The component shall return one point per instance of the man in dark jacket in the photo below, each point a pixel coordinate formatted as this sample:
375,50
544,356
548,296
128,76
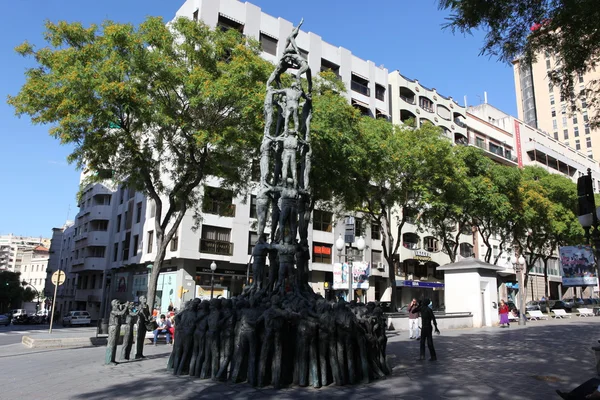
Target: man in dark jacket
427,319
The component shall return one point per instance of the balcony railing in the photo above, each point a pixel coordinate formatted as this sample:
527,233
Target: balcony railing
409,100
411,246
216,247
224,209
360,88
494,148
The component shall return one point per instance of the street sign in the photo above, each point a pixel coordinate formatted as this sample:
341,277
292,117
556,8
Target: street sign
349,230
59,277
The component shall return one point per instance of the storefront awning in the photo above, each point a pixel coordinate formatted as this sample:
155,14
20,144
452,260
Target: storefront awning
420,284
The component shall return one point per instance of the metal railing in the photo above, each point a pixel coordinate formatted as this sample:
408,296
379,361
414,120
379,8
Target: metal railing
360,88
216,247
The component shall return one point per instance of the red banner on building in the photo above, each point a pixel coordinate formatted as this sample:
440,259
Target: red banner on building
518,141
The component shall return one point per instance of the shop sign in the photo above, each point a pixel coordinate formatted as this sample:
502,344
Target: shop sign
422,255
220,271
420,284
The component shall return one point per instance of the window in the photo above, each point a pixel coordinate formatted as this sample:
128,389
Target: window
588,142
93,284
431,244
379,92
583,104
553,112
480,142
327,65
126,244
576,131
410,241
566,134
225,23
138,213
195,15
96,251
556,135
587,129
116,252
577,145
548,66
554,124
122,195
466,250
150,241
174,242
360,85
575,120
358,227
216,240
551,99
136,242
564,122
119,223
375,231
376,258
253,213
580,78
321,253
252,239
218,201
322,221
426,104
268,44
550,87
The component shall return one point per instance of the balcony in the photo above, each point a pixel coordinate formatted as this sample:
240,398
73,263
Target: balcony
407,95
98,238
94,264
360,88
494,151
88,295
221,208
216,247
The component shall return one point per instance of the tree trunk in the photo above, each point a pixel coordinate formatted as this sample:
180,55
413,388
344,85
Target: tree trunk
158,260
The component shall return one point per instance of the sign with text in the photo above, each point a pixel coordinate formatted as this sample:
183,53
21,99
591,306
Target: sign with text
578,265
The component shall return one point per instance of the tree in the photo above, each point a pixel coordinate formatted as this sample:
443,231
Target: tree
11,291
568,30
158,108
386,171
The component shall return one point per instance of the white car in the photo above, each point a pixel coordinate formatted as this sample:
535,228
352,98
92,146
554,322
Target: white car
76,318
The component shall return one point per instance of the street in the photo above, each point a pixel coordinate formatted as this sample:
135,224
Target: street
13,333
512,363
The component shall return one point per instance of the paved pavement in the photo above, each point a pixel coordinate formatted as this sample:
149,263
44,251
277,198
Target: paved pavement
491,363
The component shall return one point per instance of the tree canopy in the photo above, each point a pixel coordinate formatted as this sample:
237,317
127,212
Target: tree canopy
157,107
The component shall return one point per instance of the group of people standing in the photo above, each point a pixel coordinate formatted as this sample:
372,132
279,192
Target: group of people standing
421,326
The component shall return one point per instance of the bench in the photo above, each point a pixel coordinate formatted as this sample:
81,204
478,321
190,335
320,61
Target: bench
585,312
512,317
536,315
560,314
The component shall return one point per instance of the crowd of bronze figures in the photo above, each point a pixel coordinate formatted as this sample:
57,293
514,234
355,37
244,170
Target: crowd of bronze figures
297,338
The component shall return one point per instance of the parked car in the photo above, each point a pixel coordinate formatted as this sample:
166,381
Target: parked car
18,312
76,318
4,320
560,305
532,306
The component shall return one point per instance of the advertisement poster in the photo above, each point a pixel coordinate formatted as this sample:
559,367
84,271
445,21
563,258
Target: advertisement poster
121,281
578,266
360,274
166,288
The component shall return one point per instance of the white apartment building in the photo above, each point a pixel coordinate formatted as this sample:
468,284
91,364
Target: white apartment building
12,248
33,268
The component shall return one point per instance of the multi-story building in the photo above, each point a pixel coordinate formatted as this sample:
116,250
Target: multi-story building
61,257
12,248
33,268
541,106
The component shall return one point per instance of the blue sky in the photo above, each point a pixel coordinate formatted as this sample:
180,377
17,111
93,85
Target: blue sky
39,187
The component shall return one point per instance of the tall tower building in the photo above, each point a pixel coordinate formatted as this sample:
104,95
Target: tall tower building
541,106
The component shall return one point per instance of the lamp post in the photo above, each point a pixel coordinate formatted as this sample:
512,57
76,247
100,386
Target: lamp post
519,264
213,268
340,244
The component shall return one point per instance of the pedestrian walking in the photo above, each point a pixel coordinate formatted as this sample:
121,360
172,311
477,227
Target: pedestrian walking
427,319
503,312
413,320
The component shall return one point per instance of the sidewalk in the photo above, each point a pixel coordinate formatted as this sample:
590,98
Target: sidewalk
490,363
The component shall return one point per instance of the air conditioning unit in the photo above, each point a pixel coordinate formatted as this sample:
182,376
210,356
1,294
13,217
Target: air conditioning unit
380,266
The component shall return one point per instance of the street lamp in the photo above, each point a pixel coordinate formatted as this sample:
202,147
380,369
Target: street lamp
213,268
340,244
519,264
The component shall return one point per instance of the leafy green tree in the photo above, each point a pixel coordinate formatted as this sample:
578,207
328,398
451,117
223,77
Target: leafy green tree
568,30
11,291
386,170
156,107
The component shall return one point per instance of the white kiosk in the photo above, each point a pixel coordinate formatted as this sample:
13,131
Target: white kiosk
470,285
